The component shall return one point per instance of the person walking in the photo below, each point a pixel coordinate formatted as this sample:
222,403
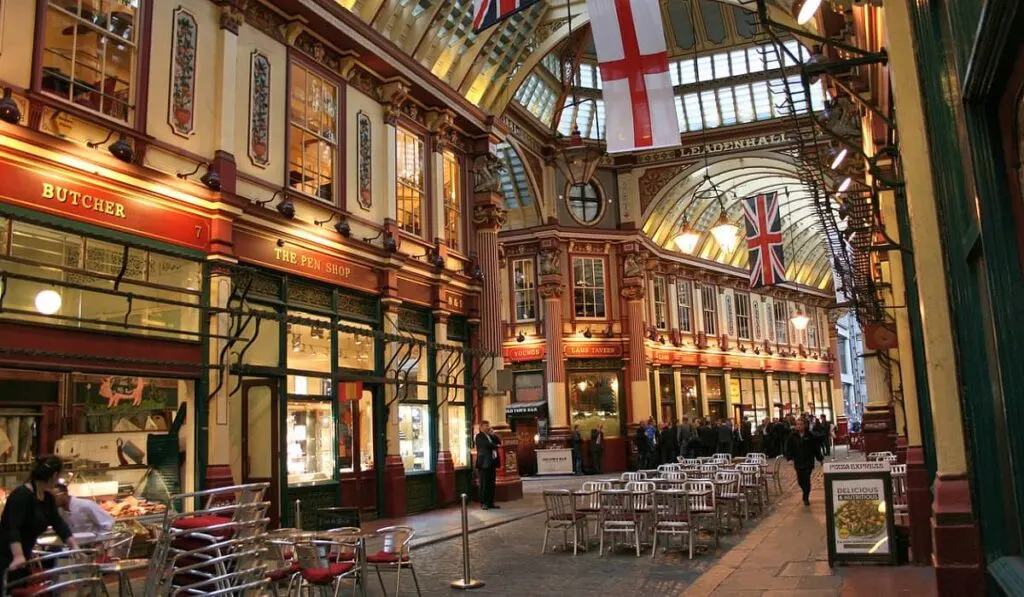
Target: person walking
825,431
487,462
746,437
597,448
577,450
684,433
802,449
31,509
651,433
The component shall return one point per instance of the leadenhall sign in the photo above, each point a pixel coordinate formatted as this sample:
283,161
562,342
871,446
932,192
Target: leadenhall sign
735,145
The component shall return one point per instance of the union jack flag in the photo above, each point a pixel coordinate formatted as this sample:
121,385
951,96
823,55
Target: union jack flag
487,13
764,240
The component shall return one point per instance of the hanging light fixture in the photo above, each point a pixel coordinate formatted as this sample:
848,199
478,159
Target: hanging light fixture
687,239
844,185
803,10
726,233
800,321
48,302
838,154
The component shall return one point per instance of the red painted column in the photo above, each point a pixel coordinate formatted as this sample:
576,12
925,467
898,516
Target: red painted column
919,506
957,541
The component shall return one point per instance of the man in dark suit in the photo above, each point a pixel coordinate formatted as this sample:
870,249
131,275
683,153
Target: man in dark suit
487,462
597,448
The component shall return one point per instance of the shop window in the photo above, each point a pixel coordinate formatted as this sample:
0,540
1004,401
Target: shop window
90,55
684,303
588,290
264,348
409,189
691,400
366,431
812,328
452,189
747,389
595,401
743,316
414,412
709,304
355,350
524,288
347,417
660,299
458,429
668,396
310,441
312,133
716,397
585,203
781,323
51,274
308,346
528,387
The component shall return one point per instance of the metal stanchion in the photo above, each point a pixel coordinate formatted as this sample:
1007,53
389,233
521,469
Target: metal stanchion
466,582
298,514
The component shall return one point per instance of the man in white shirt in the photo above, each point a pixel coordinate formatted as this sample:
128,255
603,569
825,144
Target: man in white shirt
82,515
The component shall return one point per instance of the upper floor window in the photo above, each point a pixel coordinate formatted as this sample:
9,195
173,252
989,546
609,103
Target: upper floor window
684,301
781,323
90,54
812,328
709,303
312,133
409,190
660,297
452,189
585,203
588,289
743,316
524,288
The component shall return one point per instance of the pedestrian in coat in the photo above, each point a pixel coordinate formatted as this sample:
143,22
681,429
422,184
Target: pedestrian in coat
802,449
597,448
487,462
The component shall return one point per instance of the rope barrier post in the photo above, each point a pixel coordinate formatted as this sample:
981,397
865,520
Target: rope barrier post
466,582
298,514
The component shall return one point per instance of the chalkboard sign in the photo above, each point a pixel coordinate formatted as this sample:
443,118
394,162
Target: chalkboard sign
858,513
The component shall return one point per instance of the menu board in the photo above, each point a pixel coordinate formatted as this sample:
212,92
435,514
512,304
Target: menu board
858,510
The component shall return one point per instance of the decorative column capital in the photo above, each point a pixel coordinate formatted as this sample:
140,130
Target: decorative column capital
487,170
551,289
549,262
231,16
633,292
393,95
489,216
441,123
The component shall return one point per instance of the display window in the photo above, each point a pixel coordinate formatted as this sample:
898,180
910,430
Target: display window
716,397
691,399
747,390
414,412
365,419
666,380
594,400
785,394
59,278
310,441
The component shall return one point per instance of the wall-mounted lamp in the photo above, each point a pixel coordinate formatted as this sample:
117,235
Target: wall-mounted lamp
520,337
286,208
588,334
9,111
272,197
120,149
210,180
475,273
341,226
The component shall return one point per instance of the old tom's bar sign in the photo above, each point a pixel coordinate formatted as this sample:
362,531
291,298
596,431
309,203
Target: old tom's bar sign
54,193
735,145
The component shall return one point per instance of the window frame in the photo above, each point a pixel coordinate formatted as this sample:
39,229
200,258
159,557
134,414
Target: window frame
424,191
781,325
743,316
457,206
599,198
530,289
684,288
139,96
709,315
812,327
302,61
659,285
593,289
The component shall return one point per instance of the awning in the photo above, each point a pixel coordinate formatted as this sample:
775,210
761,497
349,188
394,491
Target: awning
538,408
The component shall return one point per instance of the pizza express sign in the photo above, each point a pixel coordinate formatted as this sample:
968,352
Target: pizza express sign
735,145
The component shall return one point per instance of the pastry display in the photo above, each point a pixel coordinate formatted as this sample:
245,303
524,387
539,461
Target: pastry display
132,507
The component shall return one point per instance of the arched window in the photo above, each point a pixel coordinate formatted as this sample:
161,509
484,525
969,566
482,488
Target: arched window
585,203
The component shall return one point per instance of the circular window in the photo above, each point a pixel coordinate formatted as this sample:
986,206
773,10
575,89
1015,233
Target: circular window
585,203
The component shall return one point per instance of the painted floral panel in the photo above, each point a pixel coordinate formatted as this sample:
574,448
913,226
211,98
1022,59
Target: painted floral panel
364,168
183,72
259,109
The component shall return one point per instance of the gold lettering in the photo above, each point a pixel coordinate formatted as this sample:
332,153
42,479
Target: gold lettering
98,205
74,197
109,209
62,194
47,190
87,201
119,212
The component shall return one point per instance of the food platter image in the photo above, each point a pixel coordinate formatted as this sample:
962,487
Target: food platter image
860,519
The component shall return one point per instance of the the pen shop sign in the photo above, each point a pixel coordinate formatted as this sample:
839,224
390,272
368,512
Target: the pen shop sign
735,145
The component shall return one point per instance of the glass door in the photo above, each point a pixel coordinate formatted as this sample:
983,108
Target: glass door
260,440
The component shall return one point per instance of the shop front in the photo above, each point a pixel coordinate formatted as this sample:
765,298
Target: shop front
527,411
786,395
596,402
748,393
102,297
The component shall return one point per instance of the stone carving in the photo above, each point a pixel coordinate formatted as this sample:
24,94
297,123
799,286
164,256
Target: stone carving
653,180
551,290
185,37
633,293
633,266
364,169
489,216
259,109
487,171
441,123
393,95
550,264
231,16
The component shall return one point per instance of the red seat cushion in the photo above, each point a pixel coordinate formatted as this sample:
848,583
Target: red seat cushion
324,576
567,516
199,522
27,590
283,573
383,557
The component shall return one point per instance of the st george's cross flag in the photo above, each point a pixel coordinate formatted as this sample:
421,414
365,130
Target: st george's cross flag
639,101
764,240
487,13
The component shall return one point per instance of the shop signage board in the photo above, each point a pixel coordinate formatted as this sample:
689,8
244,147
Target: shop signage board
555,461
581,349
304,262
63,196
858,513
525,353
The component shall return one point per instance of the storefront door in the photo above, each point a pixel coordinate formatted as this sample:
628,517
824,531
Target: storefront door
259,439
526,430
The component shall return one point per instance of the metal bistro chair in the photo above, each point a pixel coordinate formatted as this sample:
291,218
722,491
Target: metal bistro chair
393,554
643,503
706,472
634,476
113,560
652,473
209,566
590,503
900,510
664,468
246,578
54,573
672,517
282,567
773,473
689,461
619,517
750,484
757,456
702,504
721,457
729,500
560,508
318,571
882,457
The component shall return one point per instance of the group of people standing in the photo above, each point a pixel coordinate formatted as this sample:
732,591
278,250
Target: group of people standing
702,437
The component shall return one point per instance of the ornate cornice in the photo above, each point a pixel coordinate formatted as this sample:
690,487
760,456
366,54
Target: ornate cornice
551,290
393,95
488,216
440,123
633,292
231,15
